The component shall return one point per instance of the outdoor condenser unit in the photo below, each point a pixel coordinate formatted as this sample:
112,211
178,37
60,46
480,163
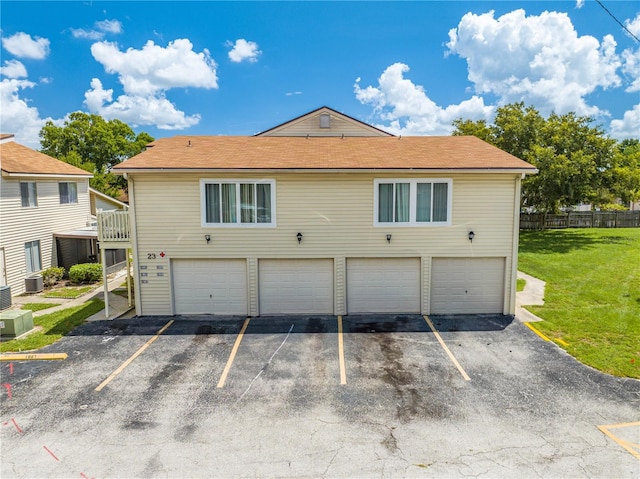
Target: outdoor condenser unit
5,297
33,284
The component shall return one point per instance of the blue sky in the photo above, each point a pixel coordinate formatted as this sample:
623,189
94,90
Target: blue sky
237,68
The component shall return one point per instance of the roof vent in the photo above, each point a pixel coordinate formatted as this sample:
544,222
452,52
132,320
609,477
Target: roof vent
325,120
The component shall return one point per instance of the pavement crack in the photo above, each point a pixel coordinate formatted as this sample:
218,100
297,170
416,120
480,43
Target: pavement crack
326,469
264,368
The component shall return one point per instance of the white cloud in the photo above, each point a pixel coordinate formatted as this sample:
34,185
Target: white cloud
540,60
17,116
146,75
631,68
109,26
23,46
407,108
633,25
13,69
243,50
293,93
153,68
137,110
629,126
86,34
101,29
579,3
631,58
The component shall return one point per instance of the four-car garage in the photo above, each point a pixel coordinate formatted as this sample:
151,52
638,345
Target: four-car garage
326,286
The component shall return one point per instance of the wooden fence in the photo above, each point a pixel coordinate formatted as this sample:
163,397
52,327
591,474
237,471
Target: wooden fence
580,219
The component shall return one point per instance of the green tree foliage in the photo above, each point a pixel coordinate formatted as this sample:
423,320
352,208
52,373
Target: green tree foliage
577,162
95,145
623,178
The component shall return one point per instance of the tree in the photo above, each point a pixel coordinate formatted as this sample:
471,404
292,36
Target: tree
95,145
622,179
577,162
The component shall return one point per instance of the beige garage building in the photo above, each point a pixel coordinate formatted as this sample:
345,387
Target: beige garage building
324,215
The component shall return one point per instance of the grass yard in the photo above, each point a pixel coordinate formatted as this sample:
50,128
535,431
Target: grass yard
520,284
38,306
53,326
70,292
592,296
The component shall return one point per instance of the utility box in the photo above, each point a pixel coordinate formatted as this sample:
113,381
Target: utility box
15,322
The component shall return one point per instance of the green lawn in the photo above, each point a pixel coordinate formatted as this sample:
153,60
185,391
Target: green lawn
592,296
38,306
54,326
70,292
520,284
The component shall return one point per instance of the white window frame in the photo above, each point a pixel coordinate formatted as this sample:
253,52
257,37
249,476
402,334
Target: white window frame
32,194
413,189
29,256
69,188
238,223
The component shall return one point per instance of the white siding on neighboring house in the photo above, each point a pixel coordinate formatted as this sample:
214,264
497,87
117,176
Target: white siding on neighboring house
25,224
334,213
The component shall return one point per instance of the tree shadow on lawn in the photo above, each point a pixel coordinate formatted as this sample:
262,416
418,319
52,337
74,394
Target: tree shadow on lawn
565,241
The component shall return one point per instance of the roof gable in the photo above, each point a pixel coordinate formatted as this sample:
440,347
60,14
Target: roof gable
17,160
324,122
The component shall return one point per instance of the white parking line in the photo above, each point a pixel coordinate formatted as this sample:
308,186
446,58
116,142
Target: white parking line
446,349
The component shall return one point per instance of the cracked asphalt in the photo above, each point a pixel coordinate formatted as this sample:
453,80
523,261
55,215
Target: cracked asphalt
528,410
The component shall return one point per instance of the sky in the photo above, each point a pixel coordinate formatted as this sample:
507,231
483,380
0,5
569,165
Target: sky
237,68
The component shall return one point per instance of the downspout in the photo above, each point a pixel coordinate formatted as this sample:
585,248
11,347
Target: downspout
515,243
134,244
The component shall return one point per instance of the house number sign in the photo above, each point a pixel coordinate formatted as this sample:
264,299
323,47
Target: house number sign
154,256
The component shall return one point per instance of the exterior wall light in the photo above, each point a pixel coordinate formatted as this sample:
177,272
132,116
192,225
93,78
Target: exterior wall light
299,236
208,238
388,238
471,235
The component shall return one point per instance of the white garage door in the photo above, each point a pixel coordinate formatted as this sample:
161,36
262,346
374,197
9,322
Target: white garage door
210,286
383,285
467,285
295,286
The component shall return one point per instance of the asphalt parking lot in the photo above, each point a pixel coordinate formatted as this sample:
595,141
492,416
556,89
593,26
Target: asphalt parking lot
363,396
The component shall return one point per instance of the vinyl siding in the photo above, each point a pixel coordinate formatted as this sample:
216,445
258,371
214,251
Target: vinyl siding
334,212
311,126
20,225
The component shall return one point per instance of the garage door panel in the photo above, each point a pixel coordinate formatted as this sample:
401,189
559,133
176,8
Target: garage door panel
295,286
383,285
210,286
467,285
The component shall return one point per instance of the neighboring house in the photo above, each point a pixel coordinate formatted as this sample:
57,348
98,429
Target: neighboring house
323,215
101,202
41,198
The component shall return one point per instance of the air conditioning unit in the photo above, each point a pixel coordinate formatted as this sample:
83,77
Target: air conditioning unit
5,297
33,284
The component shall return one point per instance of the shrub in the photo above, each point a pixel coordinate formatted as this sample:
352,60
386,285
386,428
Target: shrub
85,273
52,275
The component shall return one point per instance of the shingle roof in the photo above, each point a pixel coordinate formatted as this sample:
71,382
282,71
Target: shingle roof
18,159
240,152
